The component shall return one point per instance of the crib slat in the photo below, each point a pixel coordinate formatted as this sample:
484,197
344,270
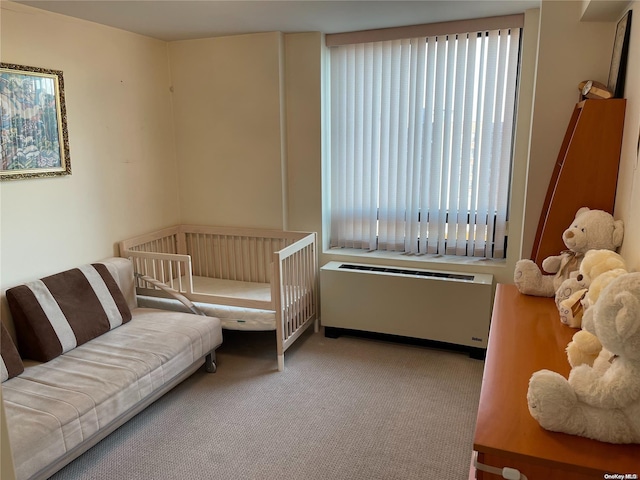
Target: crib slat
212,256
294,305
198,253
235,257
289,307
253,271
206,240
246,262
217,270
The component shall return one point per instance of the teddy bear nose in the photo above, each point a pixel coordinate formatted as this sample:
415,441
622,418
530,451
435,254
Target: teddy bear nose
569,234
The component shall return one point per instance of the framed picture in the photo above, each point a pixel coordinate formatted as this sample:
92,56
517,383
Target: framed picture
33,123
618,69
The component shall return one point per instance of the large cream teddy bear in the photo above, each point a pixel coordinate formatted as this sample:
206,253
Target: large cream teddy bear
599,402
590,230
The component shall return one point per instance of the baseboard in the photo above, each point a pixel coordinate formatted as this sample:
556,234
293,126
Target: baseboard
474,352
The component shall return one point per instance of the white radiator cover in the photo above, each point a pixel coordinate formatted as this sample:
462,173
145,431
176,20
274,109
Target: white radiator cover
443,306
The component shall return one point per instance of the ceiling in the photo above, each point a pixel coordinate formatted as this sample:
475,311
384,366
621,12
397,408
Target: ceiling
188,19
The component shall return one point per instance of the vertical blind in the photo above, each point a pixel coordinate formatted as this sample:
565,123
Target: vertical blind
421,143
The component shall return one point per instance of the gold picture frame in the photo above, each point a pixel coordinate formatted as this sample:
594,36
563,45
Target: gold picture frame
33,121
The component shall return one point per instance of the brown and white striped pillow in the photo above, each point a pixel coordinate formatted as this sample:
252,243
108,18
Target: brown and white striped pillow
11,365
57,313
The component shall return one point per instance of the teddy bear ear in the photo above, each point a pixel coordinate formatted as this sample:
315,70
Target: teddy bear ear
628,317
581,211
618,232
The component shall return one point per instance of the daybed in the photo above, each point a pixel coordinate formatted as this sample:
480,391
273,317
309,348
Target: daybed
252,279
99,360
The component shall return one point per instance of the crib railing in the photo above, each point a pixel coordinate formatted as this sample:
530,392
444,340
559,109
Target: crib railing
285,260
161,241
173,270
295,271
233,253
156,255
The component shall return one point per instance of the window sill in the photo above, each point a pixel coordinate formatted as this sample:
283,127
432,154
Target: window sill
418,261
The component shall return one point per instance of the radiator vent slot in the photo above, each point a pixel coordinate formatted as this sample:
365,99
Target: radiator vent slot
404,271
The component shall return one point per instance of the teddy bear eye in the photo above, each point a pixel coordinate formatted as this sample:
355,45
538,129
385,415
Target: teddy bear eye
582,229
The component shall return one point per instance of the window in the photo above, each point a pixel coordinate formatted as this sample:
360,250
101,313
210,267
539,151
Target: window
421,142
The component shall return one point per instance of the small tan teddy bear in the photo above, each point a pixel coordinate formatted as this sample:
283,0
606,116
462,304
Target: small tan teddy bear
598,269
582,289
590,230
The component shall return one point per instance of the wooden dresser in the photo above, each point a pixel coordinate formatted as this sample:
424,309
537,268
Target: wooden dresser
526,336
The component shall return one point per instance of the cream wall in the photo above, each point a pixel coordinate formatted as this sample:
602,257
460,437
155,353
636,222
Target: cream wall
228,122
628,196
303,77
121,144
248,130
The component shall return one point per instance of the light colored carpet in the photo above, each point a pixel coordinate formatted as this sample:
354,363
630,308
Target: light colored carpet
347,408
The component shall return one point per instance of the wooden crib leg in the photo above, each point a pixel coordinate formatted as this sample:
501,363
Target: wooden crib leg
210,362
281,362
316,325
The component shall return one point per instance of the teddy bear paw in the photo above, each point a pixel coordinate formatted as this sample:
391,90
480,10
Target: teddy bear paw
551,399
526,273
565,314
530,280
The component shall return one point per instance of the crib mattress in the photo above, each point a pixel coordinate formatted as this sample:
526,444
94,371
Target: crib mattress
231,288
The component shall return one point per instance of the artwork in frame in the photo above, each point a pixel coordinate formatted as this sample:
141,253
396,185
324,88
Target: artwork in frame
618,69
33,123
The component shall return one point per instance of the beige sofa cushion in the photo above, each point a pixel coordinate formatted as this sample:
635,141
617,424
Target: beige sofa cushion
55,314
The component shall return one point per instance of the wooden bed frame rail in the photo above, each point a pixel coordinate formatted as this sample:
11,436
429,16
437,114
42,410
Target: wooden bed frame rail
285,260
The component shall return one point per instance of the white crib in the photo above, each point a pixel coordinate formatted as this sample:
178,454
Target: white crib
252,279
